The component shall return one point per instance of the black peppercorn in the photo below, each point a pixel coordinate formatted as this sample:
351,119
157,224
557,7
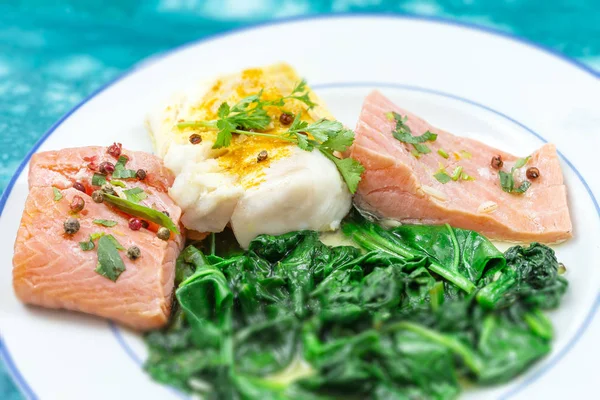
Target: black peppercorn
163,233
71,226
97,196
133,253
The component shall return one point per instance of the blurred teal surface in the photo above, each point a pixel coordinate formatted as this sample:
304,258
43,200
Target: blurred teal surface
55,53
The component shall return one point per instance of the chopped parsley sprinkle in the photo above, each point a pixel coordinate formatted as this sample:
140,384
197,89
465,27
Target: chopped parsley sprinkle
442,177
57,194
457,173
403,134
442,153
98,180
135,194
105,222
118,183
507,180
121,172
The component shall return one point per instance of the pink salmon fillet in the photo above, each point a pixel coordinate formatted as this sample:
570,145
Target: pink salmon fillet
400,186
51,270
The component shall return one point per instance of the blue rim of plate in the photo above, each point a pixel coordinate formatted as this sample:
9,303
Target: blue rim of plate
4,352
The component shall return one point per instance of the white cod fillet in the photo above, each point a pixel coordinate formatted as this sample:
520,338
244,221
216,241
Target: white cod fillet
291,190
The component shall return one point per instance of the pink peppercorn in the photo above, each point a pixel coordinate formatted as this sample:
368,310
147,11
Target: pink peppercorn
115,150
135,224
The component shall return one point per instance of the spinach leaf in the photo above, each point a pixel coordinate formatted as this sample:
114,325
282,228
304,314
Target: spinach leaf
531,277
458,255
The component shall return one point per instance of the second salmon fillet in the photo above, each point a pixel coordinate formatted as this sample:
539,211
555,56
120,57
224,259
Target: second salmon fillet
52,269
400,183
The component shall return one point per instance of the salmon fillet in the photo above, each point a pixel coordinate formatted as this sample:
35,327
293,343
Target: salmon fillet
401,186
50,268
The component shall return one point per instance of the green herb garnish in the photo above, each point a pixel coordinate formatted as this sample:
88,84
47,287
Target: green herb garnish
457,173
507,180
105,222
110,264
138,210
443,153
466,177
118,183
135,195
87,246
442,177
415,153
98,179
249,115
57,194
121,172
404,134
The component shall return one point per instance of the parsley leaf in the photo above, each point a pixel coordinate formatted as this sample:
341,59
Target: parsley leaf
87,246
57,194
249,116
404,134
135,194
105,222
442,177
507,180
120,172
300,92
110,264
521,162
98,180
350,169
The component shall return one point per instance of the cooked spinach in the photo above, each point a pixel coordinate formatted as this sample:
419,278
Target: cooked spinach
413,312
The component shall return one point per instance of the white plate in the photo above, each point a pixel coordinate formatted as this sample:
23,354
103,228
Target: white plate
468,81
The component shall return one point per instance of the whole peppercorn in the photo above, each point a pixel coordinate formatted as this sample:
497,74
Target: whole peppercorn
115,150
532,173
195,139
262,156
135,224
140,174
106,168
108,189
133,253
79,186
286,118
145,224
77,204
497,162
97,196
163,233
71,226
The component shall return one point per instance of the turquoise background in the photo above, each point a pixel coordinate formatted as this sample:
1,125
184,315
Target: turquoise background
55,53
